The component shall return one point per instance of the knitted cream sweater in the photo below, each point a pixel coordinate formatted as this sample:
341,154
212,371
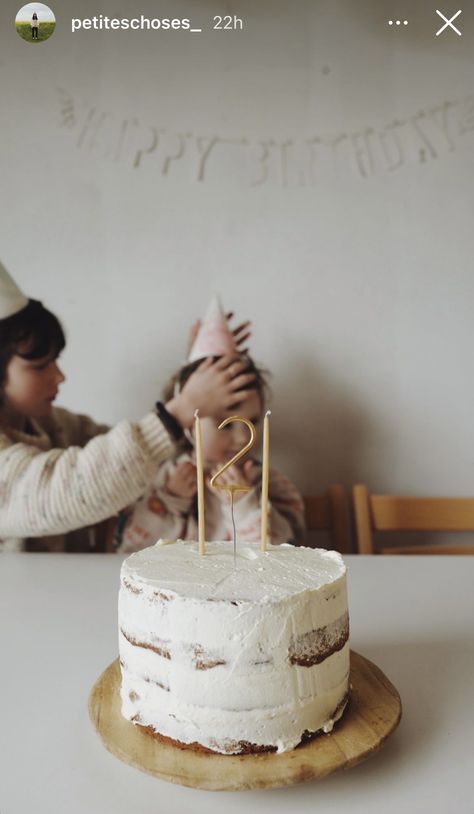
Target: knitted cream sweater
69,473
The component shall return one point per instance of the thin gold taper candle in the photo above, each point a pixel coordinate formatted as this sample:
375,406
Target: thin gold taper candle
200,484
265,468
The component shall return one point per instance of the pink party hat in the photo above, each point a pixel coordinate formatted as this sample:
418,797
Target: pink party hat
214,337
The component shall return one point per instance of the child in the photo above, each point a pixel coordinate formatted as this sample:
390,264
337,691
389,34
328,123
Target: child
59,471
169,508
34,26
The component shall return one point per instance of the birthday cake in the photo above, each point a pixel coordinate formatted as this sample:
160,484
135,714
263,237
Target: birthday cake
234,656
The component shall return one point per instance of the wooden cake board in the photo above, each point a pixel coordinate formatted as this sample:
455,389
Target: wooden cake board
373,713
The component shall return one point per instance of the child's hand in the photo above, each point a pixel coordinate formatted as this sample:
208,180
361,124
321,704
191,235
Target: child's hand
213,389
183,481
246,475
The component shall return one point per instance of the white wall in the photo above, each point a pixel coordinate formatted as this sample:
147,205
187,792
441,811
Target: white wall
335,210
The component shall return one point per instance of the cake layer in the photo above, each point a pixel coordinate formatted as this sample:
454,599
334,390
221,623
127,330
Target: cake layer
223,654
309,581
217,728
265,686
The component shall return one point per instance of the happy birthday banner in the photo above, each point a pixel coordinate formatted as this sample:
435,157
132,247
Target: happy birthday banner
418,138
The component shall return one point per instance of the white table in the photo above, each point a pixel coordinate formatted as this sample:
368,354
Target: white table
413,616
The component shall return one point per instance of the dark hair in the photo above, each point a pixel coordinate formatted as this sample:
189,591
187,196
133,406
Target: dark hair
32,333
35,16
260,384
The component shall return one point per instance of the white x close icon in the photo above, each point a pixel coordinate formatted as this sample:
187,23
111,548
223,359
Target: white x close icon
448,22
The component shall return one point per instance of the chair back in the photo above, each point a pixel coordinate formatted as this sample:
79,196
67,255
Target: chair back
103,536
330,512
388,513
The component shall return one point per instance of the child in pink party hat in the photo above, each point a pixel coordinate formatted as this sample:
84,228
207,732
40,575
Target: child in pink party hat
168,510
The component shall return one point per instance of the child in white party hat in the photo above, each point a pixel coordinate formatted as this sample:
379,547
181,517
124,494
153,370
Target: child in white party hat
61,472
168,509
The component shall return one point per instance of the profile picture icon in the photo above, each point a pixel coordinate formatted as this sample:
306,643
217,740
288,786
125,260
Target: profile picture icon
35,22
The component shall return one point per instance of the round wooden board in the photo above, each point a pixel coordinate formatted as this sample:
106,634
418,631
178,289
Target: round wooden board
373,713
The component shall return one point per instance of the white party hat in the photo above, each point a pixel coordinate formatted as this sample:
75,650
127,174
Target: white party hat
214,337
12,299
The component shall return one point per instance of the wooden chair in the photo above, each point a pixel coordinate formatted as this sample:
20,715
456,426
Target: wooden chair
383,513
330,512
102,536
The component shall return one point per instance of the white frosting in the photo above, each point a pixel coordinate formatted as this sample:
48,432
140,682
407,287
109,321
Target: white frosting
279,572
214,652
